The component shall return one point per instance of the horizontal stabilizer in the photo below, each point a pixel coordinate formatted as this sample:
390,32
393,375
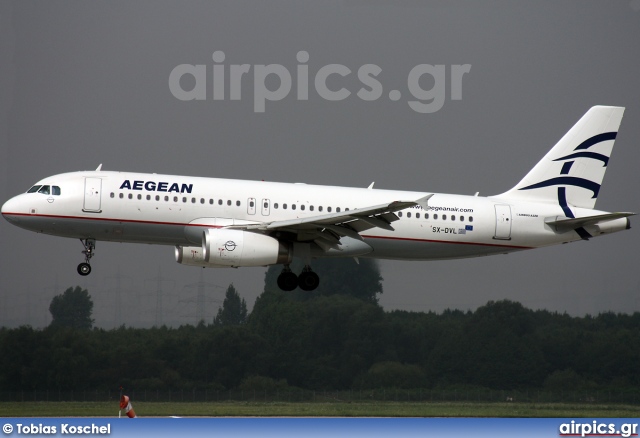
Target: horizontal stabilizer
562,224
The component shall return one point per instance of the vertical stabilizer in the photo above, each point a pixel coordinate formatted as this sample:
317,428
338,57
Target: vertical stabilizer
572,171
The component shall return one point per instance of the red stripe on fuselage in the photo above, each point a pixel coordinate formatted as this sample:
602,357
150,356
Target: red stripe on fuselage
110,220
408,239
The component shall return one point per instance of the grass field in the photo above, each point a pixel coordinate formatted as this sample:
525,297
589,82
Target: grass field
283,409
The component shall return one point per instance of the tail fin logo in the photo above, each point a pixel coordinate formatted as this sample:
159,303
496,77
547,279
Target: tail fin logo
572,172
575,181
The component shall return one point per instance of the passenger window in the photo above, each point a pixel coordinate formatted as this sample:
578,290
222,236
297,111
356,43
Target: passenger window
311,208
302,207
166,199
461,218
238,203
44,190
338,210
329,209
251,204
175,199
266,205
34,189
201,200
193,200
55,190
453,217
399,214
320,208
435,216
130,196
275,205
219,201
210,201
139,196
470,218
426,215
417,215
121,195
444,217
284,206
157,197
409,214
293,206
148,197
112,194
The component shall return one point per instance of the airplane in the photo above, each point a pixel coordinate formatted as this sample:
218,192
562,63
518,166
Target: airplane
215,222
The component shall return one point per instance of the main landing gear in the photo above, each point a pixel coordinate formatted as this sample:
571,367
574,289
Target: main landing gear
89,246
307,280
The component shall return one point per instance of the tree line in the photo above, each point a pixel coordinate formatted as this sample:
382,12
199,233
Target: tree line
332,339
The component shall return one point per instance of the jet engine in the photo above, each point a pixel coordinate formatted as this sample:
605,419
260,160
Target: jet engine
235,248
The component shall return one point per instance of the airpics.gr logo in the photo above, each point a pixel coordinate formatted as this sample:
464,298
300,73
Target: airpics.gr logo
190,82
596,428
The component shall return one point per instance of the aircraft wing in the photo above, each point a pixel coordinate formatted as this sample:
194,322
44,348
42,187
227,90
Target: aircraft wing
327,229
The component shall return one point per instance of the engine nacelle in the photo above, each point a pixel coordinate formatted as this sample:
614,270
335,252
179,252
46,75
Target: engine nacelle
190,255
235,248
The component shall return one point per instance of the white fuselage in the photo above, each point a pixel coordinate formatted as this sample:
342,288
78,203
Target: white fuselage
233,223
174,210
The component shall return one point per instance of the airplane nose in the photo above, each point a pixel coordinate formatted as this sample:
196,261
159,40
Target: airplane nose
5,207
9,207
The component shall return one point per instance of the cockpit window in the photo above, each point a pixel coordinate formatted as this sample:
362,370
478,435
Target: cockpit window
45,190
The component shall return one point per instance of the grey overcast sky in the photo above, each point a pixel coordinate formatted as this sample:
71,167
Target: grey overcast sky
84,83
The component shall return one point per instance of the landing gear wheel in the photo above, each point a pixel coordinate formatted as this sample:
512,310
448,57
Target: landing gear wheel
287,281
84,269
308,280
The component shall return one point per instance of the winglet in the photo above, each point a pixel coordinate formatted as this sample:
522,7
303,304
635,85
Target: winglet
422,202
99,168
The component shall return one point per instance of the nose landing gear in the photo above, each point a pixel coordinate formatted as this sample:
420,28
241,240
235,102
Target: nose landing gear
84,269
